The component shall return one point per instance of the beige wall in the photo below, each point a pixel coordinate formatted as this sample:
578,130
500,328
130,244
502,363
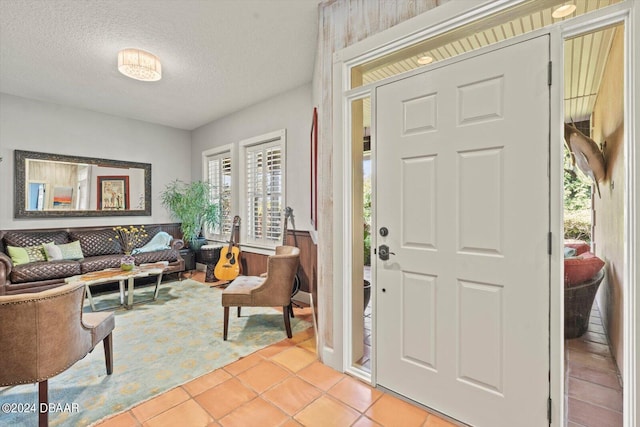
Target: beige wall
608,125
341,24
27,124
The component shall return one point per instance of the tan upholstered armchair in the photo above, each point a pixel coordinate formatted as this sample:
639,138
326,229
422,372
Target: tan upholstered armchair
42,334
274,290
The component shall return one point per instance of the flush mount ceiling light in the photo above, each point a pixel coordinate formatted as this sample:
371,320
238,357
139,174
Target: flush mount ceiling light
139,65
563,11
424,60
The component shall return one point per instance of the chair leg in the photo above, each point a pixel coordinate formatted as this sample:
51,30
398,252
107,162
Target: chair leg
43,403
287,322
238,311
226,322
108,353
291,311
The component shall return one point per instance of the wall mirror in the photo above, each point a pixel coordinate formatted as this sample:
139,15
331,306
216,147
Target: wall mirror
54,185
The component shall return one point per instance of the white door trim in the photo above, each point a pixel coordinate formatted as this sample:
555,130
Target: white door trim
624,13
445,18
632,70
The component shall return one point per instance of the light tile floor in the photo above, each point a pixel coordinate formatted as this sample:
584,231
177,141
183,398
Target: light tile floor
281,385
592,384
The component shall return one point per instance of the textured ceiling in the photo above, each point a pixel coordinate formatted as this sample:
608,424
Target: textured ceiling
218,56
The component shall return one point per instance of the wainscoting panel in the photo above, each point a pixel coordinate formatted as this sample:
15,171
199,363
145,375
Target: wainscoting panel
255,264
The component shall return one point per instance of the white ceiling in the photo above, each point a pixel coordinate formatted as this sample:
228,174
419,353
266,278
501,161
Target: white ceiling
218,56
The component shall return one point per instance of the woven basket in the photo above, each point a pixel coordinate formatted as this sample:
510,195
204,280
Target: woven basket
578,301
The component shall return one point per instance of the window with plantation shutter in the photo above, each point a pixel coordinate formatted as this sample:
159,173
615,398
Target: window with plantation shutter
264,189
219,176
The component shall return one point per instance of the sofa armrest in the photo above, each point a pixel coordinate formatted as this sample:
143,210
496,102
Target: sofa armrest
177,244
5,271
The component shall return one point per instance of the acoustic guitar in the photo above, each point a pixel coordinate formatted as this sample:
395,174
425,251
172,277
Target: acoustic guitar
228,266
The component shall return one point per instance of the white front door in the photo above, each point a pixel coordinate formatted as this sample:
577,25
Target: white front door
463,190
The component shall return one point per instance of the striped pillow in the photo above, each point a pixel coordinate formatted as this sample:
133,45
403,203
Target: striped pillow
67,251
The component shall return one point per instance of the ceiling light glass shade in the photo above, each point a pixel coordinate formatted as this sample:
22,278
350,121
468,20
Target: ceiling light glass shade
563,11
424,60
139,65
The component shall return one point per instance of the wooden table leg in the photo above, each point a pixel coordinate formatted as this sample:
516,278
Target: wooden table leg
155,294
130,293
121,286
93,306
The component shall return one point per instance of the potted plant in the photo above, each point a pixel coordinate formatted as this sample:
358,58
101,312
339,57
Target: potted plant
190,204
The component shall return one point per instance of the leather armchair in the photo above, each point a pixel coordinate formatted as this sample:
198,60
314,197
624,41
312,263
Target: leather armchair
43,334
271,291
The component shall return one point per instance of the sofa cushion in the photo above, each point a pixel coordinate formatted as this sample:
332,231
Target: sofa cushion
97,263
26,255
96,242
34,238
170,255
44,270
71,251
581,268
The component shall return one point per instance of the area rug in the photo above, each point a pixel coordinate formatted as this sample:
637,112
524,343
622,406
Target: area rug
156,346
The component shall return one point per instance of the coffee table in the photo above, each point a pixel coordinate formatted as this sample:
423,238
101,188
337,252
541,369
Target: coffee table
116,274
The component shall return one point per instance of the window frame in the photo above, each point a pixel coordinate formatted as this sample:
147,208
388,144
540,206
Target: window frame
267,140
219,153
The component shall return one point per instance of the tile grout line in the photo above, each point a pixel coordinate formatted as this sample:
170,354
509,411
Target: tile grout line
273,351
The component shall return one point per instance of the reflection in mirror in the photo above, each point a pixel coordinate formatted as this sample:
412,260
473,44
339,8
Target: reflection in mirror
52,185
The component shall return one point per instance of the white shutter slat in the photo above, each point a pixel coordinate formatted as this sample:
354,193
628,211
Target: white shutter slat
219,176
264,182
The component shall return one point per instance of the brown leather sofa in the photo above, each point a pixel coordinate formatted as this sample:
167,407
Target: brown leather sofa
99,253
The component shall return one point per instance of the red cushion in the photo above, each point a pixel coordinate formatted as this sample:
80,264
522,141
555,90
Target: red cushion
579,245
581,268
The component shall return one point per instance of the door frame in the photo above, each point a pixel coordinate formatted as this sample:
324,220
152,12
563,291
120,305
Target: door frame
437,21
631,337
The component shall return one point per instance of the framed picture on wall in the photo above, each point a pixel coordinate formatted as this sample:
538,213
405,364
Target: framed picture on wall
62,197
314,169
113,193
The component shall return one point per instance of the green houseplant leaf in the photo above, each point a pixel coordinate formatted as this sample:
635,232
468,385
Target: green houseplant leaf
191,205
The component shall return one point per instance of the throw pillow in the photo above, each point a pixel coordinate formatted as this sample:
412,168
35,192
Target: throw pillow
580,269
579,245
159,242
26,254
68,251
569,252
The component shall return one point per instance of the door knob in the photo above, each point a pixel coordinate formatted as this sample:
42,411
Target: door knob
383,252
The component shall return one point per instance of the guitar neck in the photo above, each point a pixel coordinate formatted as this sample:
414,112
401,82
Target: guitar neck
235,226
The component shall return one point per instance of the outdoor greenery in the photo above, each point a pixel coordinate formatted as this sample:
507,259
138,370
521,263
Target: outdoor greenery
190,204
577,208
577,203
367,221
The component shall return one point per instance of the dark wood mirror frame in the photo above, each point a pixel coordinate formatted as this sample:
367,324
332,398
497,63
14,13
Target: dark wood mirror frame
20,180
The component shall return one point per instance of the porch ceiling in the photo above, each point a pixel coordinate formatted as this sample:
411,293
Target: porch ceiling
585,56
